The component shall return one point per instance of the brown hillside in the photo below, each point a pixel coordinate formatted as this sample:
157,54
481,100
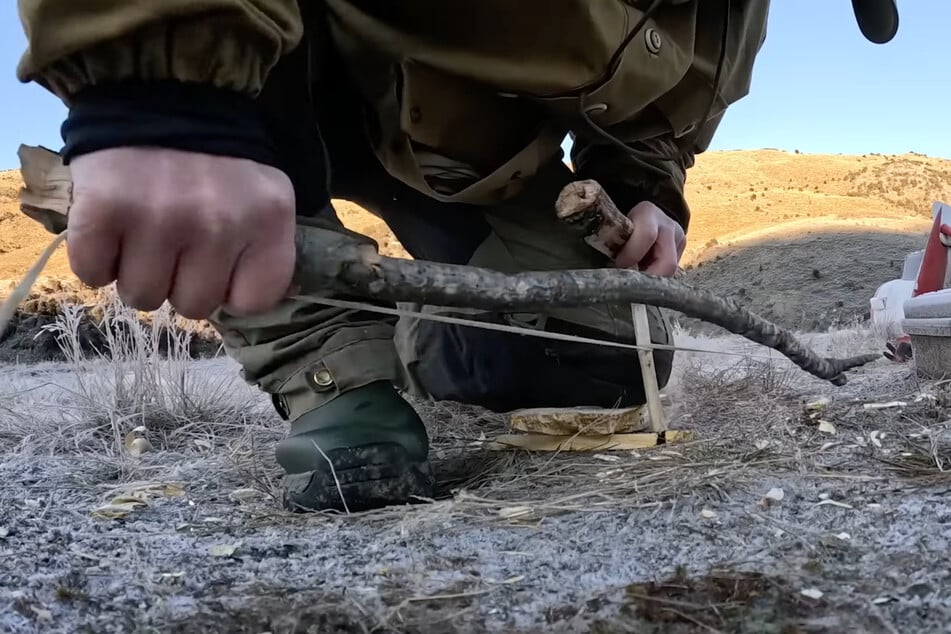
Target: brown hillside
764,221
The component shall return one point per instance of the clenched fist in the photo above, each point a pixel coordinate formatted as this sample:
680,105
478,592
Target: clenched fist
198,230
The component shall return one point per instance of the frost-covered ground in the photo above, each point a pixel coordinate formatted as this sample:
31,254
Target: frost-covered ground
777,518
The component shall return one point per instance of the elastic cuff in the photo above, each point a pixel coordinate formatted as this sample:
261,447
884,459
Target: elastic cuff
358,364
183,116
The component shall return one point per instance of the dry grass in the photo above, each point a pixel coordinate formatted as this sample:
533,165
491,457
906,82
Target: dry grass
142,378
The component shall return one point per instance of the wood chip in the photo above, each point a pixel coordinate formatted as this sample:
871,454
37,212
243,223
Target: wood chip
708,514
116,510
842,505
818,404
826,427
223,550
812,593
515,512
887,405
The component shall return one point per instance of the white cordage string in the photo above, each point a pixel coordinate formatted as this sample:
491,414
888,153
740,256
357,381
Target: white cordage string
528,332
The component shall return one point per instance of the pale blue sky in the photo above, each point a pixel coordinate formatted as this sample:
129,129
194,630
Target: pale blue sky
818,86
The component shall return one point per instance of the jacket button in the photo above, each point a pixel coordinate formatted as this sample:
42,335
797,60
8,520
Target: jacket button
323,378
652,40
414,114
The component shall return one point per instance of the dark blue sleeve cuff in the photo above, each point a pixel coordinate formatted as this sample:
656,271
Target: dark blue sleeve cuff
169,114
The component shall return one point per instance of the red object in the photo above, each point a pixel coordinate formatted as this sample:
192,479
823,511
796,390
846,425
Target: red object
934,261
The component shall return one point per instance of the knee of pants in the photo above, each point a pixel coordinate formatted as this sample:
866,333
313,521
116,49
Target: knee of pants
504,371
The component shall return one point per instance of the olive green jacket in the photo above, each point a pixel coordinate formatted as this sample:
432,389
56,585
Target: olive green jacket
490,85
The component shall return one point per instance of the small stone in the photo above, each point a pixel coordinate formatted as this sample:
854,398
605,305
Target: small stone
775,494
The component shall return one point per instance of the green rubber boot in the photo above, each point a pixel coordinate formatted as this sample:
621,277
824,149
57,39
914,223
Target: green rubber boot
378,447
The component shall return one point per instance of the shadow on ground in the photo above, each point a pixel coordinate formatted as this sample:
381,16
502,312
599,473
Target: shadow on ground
811,282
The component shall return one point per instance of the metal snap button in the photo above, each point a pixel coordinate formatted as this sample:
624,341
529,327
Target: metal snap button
652,40
323,378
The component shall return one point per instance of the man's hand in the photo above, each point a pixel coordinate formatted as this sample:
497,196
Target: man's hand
198,230
657,243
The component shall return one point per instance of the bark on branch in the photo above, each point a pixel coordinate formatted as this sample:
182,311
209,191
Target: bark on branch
354,269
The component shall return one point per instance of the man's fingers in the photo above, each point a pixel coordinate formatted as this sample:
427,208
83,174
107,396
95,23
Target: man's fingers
146,269
93,253
663,256
201,280
262,277
637,248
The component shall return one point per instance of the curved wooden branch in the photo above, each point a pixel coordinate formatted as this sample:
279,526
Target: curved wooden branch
353,269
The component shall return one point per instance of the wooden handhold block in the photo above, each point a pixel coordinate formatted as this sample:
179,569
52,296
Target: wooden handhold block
586,421
608,442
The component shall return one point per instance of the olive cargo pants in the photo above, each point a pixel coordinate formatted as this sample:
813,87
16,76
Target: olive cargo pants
304,353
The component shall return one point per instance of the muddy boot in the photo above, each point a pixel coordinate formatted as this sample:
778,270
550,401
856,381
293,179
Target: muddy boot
378,447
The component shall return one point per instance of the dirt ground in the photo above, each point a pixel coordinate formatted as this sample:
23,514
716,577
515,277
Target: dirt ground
781,516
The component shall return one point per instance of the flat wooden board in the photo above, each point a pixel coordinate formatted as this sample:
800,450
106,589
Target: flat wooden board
588,421
608,442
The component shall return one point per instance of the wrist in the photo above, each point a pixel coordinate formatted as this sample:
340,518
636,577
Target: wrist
175,115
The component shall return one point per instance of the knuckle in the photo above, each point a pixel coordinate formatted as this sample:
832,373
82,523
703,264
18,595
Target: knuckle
276,196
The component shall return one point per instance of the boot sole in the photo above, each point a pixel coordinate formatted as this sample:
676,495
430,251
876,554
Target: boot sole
369,477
